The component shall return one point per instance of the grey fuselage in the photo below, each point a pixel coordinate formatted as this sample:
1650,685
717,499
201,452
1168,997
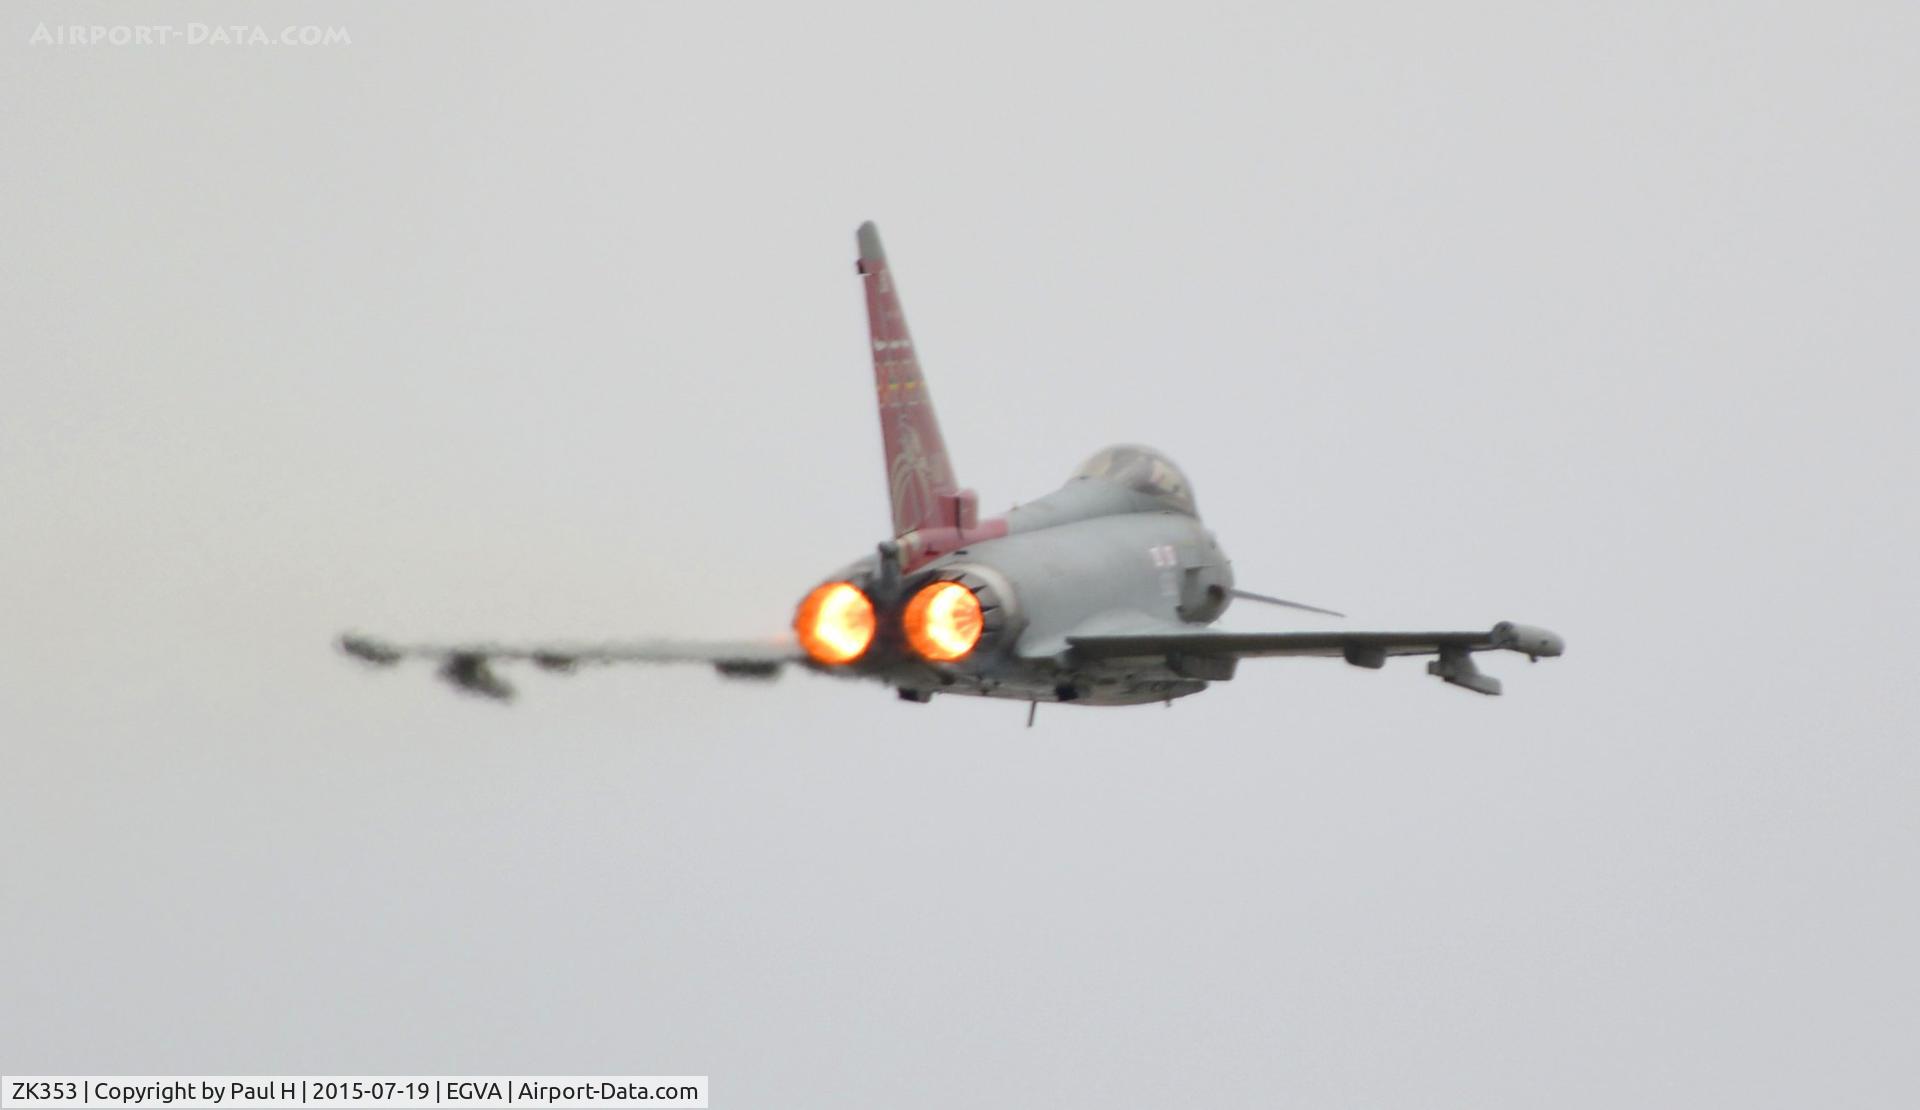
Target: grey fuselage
1096,555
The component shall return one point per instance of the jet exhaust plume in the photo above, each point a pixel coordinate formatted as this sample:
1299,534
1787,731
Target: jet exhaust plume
835,623
943,622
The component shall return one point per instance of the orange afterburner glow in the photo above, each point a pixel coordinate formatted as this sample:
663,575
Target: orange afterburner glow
835,623
943,622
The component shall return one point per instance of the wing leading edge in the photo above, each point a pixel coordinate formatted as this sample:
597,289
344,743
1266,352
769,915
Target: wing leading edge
1362,649
469,667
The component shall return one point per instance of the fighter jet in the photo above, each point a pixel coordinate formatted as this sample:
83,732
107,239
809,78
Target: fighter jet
1102,592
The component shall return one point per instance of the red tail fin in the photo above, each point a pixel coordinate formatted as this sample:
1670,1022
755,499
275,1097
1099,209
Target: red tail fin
919,477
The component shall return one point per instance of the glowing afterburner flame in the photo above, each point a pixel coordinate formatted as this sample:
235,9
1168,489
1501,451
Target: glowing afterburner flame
835,623
943,622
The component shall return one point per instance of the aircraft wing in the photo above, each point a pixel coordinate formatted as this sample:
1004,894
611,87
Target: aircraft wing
470,666
1362,649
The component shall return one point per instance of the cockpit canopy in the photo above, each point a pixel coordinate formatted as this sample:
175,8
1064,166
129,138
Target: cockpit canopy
1142,470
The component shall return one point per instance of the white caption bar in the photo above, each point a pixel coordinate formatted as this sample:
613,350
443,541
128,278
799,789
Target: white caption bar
348,1092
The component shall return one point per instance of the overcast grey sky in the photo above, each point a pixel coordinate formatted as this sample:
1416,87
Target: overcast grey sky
542,322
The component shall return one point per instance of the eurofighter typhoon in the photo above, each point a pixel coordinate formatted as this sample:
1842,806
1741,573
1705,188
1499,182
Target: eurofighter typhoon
1102,592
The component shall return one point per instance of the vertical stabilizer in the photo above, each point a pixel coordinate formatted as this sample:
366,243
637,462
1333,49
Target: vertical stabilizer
920,482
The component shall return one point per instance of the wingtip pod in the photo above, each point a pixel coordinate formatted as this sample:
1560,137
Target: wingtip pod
1455,663
369,650
1527,640
869,239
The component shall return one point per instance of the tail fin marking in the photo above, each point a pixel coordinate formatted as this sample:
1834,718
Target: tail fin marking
920,482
